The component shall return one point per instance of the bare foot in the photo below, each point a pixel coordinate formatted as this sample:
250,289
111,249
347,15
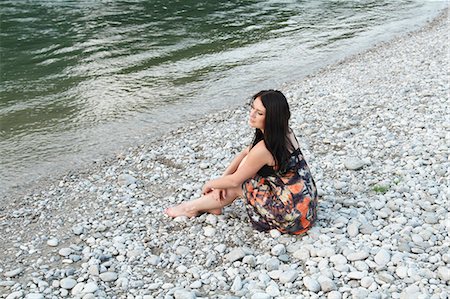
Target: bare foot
215,211
180,210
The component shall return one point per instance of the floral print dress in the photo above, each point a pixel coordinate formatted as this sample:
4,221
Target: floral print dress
283,201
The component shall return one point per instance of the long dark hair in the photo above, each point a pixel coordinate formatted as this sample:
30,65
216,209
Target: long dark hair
276,127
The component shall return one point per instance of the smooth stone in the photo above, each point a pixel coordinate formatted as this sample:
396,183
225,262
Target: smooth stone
361,265
325,252
78,288
367,229
412,291
154,260
355,275
444,273
108,276
260,295
274,233
338,259
184,294
7,283
357,256
211,219
404,247
301,254
15,295
167,286
326,284
67,283
275,274
154,286
401,271
340,185
382,257
220,248
237,284
353,163
63,292
235,255
249,260
209,231
196,284
93,270
311,284
366,282
126,179
53,242
272,264
353,228
34,296
273,290
182,269
288,276
386,277
90,287
278,249
334,295
13,273
77,230
65,251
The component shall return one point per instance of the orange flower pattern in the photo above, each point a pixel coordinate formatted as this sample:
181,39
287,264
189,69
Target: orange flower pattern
283,201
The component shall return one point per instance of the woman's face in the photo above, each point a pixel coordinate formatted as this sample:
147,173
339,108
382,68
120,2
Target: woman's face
257,114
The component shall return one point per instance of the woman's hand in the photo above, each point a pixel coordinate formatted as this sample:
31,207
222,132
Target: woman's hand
220,193
206,188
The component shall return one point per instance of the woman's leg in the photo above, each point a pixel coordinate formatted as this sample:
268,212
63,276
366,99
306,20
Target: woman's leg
207,203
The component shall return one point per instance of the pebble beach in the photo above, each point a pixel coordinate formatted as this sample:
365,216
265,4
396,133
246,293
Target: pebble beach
374,129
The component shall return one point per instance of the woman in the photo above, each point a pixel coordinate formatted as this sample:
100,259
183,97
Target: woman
270,175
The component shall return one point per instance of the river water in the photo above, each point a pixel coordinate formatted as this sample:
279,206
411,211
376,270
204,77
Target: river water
81,80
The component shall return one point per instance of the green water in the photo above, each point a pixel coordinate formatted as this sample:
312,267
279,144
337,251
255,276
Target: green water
83,79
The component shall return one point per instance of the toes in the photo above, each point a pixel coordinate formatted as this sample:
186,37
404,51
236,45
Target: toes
168,212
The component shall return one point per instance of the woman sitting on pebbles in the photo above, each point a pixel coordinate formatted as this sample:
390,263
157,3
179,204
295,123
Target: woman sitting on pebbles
271,175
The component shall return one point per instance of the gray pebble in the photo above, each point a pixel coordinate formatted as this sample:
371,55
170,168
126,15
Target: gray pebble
235,255
90,287
278,249
288,276
261,295
13,273
353,163
184,294
53,242
65,251
382,257
108,276
67,283
326,284
311,284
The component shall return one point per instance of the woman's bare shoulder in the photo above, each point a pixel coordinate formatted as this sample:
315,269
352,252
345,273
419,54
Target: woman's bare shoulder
260,149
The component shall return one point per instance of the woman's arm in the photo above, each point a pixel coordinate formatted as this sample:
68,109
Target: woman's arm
236,161
257,157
